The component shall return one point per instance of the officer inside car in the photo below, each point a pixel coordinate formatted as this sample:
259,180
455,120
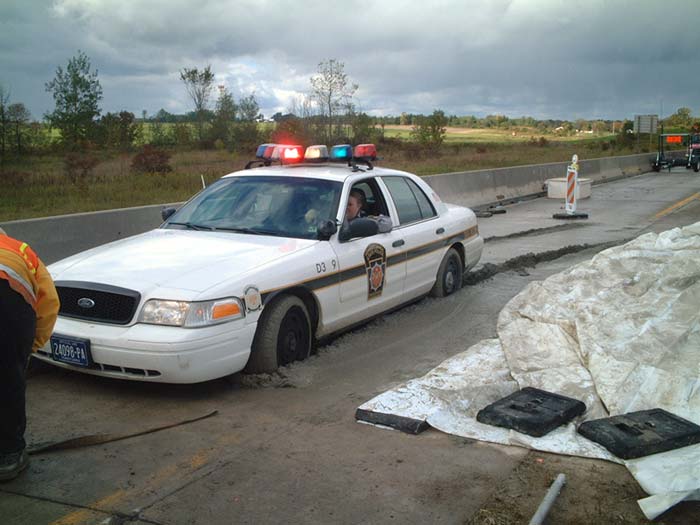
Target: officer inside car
355,210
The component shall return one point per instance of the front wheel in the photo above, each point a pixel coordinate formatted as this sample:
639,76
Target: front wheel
283,336
449,276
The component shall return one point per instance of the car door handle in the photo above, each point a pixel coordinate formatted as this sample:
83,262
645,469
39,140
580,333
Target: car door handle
439,231
398,243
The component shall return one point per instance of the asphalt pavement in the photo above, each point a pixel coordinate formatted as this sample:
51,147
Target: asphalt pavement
285,448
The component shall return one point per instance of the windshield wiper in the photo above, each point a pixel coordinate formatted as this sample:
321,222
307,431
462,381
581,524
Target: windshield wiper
251,231
191,226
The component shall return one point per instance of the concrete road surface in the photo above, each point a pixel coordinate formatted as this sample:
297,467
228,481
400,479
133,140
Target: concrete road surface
285,448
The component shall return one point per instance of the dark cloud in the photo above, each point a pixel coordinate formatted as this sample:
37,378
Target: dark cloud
545,58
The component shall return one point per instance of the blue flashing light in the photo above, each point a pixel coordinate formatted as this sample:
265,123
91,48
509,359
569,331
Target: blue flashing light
260,152
342,152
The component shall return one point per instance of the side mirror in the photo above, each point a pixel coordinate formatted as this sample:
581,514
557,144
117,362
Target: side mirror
326,229
165,213
360,227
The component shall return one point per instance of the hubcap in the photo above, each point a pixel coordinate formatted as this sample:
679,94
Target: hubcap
449,281
450,277
293,337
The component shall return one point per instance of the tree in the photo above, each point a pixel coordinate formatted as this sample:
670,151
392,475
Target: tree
248,108
77,93
198,85
682,118
430,131
224,115
4,121
362,128
118,131
19,116
332,91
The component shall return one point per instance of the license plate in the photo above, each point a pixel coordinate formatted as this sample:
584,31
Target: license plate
71,350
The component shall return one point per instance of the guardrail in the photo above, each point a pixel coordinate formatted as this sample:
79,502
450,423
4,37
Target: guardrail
54,238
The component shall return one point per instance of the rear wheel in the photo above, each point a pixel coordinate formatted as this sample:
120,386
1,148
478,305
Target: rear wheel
696,167
449,277
283,335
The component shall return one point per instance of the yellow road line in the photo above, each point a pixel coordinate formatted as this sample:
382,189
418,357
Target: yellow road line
676,206
83,515
181,468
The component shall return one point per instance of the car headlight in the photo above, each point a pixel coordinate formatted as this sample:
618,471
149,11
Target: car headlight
191,314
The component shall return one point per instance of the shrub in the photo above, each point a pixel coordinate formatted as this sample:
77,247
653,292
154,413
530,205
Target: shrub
151,160
540,142
13,178
77,165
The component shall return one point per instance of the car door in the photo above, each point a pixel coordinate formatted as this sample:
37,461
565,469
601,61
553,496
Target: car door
419,227
372,269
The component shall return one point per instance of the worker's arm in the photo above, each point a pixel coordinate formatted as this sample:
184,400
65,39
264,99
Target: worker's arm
46,307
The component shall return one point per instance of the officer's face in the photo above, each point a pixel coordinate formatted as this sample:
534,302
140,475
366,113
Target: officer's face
353,208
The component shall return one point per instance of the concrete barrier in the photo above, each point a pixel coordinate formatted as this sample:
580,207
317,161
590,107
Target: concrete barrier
57,237
483,187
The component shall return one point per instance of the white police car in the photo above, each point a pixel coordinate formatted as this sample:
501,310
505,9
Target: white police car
256,267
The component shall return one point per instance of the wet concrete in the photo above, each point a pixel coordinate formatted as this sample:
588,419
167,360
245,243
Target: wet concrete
285,447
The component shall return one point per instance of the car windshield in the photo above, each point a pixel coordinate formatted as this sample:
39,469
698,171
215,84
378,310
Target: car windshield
265,205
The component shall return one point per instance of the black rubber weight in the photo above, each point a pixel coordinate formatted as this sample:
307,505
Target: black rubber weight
641,433
283,335
531,411
446,284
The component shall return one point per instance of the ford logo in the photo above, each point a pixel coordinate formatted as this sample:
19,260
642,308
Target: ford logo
86,302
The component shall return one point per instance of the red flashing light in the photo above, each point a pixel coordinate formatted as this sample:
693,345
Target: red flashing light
674,139
291,154
365,151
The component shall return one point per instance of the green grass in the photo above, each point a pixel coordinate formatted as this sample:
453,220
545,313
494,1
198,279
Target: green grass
37,186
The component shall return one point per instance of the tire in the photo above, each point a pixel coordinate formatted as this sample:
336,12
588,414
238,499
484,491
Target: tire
283,335
449,276
696,167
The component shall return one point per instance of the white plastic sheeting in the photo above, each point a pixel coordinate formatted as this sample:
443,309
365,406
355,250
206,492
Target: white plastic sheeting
620,332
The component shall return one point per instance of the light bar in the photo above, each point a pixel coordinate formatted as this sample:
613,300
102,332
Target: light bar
278,151
316,153
262,149
341,153
291,154
366,152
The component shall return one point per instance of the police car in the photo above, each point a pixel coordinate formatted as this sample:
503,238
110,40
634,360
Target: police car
255,268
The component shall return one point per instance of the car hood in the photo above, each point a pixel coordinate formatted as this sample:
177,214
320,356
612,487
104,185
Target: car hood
176,260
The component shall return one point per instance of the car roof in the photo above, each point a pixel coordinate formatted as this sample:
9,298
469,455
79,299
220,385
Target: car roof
325,171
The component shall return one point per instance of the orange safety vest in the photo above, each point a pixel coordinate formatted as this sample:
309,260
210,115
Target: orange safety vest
17,281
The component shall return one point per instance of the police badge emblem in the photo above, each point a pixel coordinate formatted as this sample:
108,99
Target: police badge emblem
375,264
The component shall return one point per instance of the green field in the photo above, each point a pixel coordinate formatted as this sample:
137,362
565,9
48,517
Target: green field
495,135
38,186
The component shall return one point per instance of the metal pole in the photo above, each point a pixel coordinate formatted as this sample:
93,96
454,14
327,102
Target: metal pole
548,500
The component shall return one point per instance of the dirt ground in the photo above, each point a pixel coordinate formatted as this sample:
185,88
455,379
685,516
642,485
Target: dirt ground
595,492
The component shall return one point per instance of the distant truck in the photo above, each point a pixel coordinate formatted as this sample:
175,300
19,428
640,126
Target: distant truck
691,159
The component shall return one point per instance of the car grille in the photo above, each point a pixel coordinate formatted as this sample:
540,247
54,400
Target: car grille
97,302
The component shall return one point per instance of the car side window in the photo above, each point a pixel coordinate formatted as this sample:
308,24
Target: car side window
407,201
426,207
374,201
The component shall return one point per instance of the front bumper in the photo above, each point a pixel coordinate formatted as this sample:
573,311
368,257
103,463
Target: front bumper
164,354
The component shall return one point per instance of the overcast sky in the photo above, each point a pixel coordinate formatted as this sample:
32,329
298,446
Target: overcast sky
543,58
